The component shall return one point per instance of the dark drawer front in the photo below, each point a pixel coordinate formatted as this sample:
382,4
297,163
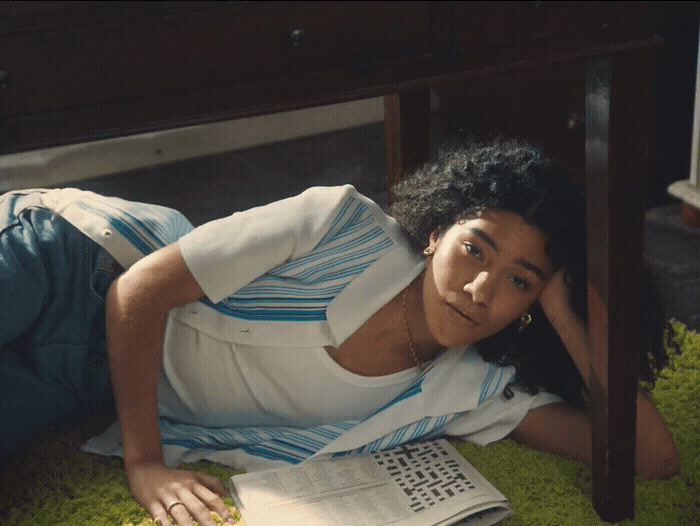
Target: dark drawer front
258,42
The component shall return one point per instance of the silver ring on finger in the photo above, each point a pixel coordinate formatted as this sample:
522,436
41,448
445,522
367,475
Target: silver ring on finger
173,505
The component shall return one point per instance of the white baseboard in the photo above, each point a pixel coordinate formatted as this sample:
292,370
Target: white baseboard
687,192
64,164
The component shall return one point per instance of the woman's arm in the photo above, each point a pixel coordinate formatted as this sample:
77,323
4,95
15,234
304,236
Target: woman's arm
566,431
137,306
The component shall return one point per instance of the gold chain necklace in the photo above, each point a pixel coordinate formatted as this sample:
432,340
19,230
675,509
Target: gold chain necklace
408,331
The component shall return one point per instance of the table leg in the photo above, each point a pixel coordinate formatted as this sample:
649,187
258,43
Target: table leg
407,134
616,158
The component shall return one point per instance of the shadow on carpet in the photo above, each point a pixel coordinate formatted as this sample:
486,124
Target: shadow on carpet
54,483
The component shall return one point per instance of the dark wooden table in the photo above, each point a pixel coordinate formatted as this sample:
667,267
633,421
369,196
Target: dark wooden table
79,71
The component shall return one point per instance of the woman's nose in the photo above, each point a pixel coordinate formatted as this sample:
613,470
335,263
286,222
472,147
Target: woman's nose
480,288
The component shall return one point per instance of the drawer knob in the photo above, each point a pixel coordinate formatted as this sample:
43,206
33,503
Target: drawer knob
576,122
296,36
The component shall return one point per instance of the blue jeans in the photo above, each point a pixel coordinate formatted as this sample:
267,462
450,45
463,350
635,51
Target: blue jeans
53,360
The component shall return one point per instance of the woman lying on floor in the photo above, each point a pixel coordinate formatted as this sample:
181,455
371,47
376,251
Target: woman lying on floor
311,311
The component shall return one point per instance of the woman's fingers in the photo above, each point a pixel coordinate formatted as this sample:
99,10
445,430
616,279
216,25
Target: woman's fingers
211,500
183,495
159,514
212,483
197,502
182,513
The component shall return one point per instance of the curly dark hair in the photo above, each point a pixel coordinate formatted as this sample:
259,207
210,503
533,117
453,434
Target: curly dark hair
504,174
516,176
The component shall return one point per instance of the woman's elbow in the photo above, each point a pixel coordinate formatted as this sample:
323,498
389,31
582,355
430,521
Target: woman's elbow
658,460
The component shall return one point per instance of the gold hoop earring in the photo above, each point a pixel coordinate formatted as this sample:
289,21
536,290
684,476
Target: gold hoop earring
525,320
429,251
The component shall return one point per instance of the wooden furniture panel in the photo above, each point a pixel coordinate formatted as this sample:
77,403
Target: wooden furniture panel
81,71
140,69
130,59
544,105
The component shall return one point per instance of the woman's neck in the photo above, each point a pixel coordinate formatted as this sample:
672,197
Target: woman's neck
382,345
424,344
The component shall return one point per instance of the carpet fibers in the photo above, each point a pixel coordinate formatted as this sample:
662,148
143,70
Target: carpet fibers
80,489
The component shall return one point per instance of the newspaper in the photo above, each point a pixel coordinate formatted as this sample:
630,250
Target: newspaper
425,483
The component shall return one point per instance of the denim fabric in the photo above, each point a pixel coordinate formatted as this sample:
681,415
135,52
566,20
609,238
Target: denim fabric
53,360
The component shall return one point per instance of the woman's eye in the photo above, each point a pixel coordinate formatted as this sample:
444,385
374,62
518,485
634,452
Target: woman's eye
520,282
474,250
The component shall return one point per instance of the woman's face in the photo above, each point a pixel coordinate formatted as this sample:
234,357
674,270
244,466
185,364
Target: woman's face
484,273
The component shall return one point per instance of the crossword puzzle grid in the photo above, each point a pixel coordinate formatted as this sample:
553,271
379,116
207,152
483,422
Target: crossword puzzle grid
425,473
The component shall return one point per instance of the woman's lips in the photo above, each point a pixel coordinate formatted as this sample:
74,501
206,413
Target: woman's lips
463,316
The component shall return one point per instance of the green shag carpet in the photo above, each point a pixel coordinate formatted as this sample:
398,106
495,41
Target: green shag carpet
62,486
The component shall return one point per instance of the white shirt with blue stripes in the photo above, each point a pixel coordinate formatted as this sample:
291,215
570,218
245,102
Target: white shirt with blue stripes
282,281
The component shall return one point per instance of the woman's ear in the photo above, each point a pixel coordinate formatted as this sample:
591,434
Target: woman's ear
436,235
434,241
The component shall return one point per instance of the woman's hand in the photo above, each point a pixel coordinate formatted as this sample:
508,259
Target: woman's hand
157,488
557,291
555,301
